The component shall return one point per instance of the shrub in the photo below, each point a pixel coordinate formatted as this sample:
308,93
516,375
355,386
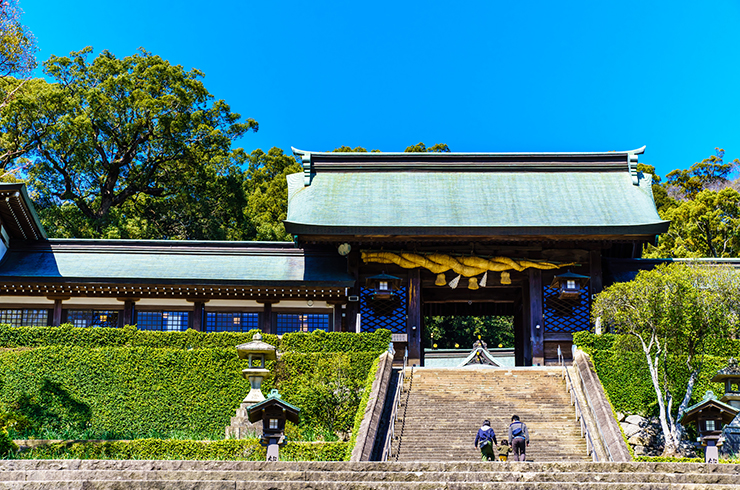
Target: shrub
622,369
229,449
360,414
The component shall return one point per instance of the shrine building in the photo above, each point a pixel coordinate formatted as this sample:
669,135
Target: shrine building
381,240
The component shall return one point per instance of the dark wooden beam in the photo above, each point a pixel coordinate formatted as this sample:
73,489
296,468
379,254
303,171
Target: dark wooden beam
267,318
537,326
596,283
413,322
337,318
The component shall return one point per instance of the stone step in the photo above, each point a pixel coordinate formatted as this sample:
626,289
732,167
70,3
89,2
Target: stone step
487,474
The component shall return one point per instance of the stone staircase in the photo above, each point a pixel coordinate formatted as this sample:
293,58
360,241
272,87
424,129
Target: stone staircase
445,407
243,475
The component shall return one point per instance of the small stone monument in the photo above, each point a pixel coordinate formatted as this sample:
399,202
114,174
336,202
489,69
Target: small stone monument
257,353
274,412
730,376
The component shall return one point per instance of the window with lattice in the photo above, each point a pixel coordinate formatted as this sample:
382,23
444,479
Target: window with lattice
566,315
383,313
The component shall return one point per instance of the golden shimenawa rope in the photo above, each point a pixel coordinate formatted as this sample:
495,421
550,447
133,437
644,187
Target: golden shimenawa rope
465,266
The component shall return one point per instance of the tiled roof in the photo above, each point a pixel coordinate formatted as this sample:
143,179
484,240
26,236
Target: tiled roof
167,262
467,194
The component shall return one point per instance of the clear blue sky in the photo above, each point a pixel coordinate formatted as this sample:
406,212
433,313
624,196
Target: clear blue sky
479,76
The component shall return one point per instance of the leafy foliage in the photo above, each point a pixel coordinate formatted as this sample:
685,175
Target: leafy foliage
711,173
17,43
229,449
703,206
112,130
422,148
122,383
320,341
364,400
128,336
463,331
669,314
266,188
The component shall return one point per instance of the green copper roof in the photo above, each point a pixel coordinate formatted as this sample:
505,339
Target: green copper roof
180,262
469,194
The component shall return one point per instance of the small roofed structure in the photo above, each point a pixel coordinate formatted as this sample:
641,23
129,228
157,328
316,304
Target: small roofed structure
569,284
710,415
274,412
480,356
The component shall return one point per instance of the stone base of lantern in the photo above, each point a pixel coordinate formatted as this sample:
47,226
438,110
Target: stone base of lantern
731,433
241,427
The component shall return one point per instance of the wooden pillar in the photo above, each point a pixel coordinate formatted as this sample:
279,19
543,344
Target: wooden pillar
519,333
536,323
337,315
526,331
413,322
56,317
266,322
198,316
353,307
596,283
128,310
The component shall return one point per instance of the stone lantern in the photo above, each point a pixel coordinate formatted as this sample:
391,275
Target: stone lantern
730,376
257,353
274,412
710,415
569,285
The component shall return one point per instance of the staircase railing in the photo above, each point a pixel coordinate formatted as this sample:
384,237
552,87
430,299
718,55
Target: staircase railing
390,435
579,412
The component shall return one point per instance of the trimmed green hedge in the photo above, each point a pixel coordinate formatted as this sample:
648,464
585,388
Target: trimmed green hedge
229,449
129,336
320,341
360,413
620,363
133,392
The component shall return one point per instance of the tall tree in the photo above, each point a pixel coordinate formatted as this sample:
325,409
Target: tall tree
422,148
706,226
17,44
671,312
711,173
113,130
267,190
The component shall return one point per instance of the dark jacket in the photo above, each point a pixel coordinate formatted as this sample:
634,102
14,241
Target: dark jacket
524,434
485,433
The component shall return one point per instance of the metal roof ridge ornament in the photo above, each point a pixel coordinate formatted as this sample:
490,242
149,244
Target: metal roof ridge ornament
305,157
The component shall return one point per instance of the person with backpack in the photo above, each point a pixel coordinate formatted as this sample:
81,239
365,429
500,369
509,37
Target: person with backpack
487,439
518,438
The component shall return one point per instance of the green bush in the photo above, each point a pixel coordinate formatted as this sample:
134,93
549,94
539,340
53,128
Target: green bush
327,386
125,393
7,446
620,363
360,413
229,449
127,336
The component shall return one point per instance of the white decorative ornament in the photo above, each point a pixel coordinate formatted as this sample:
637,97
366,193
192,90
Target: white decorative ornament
344,249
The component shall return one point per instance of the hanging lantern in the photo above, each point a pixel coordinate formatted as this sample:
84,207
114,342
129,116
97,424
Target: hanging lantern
569,285
384,286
